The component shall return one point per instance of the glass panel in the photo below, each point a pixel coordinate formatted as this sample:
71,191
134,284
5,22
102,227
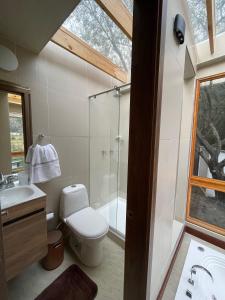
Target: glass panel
104,120
89,22
12,136
209,160
123,157
208,206
198,19
109,138
129,4
220,16
16,132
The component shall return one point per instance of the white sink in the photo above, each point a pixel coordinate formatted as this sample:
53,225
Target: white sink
19,194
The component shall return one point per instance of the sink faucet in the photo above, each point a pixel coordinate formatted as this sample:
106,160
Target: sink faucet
193,271
7,181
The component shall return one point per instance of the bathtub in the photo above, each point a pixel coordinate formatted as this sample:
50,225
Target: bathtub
208,277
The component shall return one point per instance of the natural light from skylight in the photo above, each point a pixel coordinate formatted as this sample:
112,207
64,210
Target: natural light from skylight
199,22
90,23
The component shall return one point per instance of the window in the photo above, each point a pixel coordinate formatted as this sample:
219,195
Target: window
206,196
90,23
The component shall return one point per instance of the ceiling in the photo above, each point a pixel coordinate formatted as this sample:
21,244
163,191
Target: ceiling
32,23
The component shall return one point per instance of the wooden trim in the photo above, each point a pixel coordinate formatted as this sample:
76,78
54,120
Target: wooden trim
145,109
211,77
209,183
210,8
17,153
119,13
166,278
75,45
24,92
27,121
206,237
205,225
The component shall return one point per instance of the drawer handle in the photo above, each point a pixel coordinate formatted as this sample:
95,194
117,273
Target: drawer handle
58,245
4,212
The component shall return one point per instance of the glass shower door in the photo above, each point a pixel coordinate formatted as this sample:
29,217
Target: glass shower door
104,155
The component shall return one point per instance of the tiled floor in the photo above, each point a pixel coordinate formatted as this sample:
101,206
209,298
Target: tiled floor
108,276
173,282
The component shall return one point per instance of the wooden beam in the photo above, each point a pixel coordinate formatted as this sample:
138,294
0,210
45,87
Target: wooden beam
210,8
119,13
75,45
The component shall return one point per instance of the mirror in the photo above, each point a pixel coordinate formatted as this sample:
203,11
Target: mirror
206,194
15,127
12,135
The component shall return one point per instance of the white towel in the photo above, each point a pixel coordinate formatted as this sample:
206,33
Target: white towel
43,163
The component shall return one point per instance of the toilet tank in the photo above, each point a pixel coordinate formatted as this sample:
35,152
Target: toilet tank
73,199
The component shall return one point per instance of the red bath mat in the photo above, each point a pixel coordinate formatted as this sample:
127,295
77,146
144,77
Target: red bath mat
72,284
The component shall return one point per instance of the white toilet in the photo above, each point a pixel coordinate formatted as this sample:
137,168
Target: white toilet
87,225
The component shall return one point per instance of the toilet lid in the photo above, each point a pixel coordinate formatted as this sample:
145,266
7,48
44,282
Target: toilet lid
88,223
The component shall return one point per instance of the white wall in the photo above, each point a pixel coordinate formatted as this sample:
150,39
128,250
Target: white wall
170,127
60,85
184,149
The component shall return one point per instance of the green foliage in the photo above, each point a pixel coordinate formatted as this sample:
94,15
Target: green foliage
199,18
89,22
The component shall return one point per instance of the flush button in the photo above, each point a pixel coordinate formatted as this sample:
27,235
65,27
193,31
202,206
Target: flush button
73,185
189,294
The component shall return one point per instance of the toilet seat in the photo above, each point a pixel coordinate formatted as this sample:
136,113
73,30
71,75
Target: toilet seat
88,223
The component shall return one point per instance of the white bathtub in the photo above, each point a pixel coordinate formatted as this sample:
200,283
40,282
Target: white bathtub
115,214
205,287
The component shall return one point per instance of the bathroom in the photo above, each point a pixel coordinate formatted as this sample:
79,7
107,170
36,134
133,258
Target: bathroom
80,104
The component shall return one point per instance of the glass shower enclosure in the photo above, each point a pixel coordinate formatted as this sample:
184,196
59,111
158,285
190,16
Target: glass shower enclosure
109,136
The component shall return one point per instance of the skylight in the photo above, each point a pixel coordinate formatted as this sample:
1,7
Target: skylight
220,16
90,23
198,16
129,4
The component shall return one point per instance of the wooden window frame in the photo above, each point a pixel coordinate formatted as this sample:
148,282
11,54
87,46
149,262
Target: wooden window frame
24,92
70,42
119,14
197,181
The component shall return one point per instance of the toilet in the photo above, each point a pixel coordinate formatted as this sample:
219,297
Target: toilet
88,227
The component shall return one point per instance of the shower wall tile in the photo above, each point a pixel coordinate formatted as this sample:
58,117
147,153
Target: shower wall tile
60,85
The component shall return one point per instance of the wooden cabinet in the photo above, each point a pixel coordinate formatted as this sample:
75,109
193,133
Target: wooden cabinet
24,235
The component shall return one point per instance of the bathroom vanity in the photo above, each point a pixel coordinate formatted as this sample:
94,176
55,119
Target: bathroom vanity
24,226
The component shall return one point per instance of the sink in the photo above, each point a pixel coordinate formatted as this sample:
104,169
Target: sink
19,194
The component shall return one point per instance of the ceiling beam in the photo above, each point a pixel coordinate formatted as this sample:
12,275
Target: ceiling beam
75,45
210,8
119,13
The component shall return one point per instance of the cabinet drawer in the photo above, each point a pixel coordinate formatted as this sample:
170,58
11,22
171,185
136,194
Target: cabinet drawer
25,242
23,209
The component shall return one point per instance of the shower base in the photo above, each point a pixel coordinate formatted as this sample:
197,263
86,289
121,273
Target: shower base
115,214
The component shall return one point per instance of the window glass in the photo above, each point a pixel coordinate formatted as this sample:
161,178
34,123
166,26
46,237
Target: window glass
198,16
16,132
209,160
220,16
208,205
90,23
